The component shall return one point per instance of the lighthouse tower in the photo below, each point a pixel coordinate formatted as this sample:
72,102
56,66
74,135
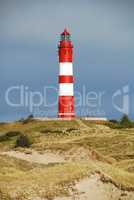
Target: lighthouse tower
66,94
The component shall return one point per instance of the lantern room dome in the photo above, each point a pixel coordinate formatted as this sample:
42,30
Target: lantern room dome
65,36
65,32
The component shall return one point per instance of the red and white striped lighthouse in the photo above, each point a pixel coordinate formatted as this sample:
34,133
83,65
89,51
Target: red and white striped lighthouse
66,93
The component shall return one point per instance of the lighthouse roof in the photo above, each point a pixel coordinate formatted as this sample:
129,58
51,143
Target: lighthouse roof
65,32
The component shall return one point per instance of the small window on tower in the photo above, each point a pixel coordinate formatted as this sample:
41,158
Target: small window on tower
62,37
65,37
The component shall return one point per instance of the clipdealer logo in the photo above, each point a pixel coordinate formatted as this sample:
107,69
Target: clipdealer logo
27,98
22,96
123,95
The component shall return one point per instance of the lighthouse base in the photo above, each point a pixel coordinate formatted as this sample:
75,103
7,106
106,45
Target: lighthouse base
65,116
66,107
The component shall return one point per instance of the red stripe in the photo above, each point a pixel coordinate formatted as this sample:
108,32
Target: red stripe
66,106
65,54
65,79
65,59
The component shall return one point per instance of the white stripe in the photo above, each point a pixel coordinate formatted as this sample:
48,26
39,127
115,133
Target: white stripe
66,68
68,114
65,89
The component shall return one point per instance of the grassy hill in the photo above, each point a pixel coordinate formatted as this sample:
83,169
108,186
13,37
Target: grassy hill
87,148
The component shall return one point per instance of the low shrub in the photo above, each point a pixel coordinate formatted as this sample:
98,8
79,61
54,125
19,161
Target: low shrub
114,125
124,122
71,129
51,131
23,141
113,121
29,119
12,133
7,136
3,138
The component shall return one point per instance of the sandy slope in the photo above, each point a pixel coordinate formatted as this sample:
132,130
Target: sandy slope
91,188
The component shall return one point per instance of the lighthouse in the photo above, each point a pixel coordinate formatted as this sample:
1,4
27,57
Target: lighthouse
66,80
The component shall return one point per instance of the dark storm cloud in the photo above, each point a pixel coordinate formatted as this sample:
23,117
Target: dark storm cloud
101,21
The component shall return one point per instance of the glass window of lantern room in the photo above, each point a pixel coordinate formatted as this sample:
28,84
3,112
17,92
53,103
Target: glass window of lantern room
67,37
62,37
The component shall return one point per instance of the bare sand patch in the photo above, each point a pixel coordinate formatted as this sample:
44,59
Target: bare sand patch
92,188
35,157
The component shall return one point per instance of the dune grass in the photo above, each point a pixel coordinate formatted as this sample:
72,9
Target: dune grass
114,157
54,180
21,177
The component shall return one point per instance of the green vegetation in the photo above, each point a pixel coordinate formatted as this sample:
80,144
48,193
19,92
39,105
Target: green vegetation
23,141
124,122
9,135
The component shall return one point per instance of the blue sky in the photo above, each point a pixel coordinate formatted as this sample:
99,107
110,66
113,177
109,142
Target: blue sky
102,33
